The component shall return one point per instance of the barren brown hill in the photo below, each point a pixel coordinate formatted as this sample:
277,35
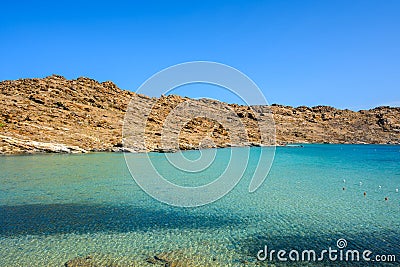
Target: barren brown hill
58,115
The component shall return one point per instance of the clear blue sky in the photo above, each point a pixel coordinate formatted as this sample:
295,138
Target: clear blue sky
340,53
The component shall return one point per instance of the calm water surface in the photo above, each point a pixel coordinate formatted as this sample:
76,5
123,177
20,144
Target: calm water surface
57,207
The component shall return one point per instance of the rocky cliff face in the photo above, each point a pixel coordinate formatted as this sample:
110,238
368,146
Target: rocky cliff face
58,115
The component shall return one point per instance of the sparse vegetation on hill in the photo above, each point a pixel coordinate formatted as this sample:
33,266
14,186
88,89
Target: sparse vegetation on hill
86,115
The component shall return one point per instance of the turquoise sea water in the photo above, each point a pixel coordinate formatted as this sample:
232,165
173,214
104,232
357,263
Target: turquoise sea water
58,207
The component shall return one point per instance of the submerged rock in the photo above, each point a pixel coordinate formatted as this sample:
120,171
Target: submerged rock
164,259
98,261
81,262
169,259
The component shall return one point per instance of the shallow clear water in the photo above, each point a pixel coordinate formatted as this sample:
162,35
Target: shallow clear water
58,207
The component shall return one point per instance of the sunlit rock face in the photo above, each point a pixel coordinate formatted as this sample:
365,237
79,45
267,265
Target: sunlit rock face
54,114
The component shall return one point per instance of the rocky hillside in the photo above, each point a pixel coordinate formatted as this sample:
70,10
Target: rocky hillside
58,115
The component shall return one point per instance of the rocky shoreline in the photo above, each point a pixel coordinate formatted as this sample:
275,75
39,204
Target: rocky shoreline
56,115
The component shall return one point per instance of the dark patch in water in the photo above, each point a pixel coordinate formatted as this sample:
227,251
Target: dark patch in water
46,219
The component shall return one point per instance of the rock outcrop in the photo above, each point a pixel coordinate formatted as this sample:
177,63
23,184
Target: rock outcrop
34,146
54,114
